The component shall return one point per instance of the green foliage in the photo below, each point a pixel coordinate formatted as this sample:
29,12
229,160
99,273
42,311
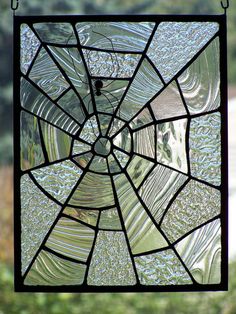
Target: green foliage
115,303
36,7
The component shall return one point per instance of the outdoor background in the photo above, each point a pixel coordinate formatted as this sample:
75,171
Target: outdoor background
129,303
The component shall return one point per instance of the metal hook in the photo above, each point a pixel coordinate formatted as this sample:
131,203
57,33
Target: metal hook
225,7
14,8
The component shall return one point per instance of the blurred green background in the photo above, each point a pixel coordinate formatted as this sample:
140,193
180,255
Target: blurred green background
129,303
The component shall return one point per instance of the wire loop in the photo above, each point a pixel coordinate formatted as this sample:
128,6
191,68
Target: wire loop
226,6
14,7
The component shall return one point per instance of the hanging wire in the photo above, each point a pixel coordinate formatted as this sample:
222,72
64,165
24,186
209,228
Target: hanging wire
14,5
225,6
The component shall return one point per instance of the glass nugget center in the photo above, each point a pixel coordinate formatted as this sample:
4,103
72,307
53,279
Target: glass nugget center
102,146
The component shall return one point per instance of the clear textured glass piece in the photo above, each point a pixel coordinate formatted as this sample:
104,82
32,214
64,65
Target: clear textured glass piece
143,118
175,44
83,159
142,234
29,47
80,147
171,144
72,239
159,188
47,76
90,131
94,191
200,82
58,179
31,152
168,103
99,164
38,213
57,33
51,270
126,36
113,164
111,263
88,216
122,157
110,219
123,140
195,204
162,268
145,85
201,253
205,148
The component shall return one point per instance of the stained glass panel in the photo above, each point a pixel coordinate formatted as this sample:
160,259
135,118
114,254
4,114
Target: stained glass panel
121,153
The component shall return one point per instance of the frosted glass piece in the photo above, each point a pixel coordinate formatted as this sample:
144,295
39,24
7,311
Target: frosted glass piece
175,44
94,191
51,270
162,268
38,213
109,64
144,142
195,204
142,234
58,179
57,142
168,103
37,103
56,33
71,103
29,45
200,82
111,263
171,144
126,36
71,62
145,85
47,76
138,169
72,239
201,253
110,219
159,188
31,152
80,147
90,131
205,148
88,216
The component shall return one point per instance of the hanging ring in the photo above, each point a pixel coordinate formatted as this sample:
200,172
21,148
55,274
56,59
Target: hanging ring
225,7
14,8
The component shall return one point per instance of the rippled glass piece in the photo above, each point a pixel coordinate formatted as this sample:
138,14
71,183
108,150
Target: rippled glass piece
71,239
99,164
110,64
143,118
31,152
88,216
171,144
110,219
201,252
71,103
38,213
80,147
189,209
57,142
35,102
142,233
94,191
144,141
29,47
57,33
58,179
47,76
159,188
175,44
145,85
90,132
71,62
205,148
168,103
111,263
51,270
126,36
162,268
200,82
138,169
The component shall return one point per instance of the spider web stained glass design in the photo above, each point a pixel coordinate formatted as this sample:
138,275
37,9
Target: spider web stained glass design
120,180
